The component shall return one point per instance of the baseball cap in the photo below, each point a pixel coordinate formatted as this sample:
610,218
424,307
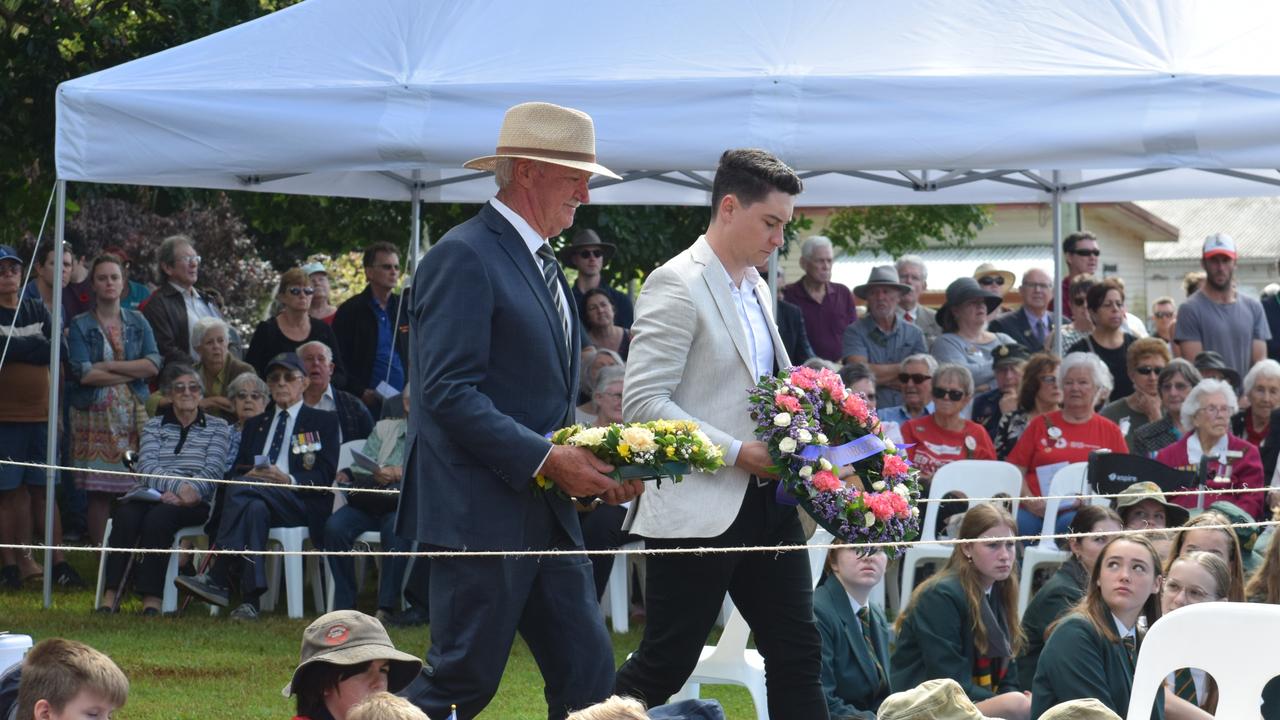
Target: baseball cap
1219,244
312,268
349,637
7,253
287,360
1010,354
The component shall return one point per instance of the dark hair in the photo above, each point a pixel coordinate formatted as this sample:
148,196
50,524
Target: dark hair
586,298
853,372
107,258
47,250
318,678
1081,283
1038,365
1098,293
372,252
750,174
1069,242
1090,515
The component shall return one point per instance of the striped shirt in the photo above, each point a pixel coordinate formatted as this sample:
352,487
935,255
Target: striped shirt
198,451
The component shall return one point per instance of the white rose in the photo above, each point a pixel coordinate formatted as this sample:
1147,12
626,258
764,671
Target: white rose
869,519
878,486
824,463
787,445
806,471
902,490
804,436
915,512
822,439
782,419
830,408
591,437
889,447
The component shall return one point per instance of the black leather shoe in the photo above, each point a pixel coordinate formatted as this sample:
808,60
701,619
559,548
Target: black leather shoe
412,617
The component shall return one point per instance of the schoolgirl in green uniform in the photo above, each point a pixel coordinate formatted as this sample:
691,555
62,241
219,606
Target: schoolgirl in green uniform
1067,585
1211,536
855,634
1093,651
1195,577
962,623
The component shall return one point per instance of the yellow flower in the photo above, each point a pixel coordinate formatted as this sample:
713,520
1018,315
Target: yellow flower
624,450
671,452
544,482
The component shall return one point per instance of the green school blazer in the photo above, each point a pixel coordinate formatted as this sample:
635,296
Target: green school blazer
1078,662
1063,590
936,642
850,681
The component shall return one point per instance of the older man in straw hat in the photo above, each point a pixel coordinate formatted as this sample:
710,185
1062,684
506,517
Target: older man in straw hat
495,368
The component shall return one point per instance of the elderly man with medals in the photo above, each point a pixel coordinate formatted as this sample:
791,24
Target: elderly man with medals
288,445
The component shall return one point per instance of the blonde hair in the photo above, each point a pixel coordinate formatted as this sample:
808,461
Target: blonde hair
385,706
977,520
1264,586
615,708
57,670
1214,520
1210,563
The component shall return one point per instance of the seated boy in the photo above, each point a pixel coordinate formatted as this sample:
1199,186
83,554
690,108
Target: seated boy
66,680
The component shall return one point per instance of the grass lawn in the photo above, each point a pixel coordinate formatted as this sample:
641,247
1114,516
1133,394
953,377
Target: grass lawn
209,668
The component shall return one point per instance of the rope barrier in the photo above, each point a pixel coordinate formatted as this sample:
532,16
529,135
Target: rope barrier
645,551
382,491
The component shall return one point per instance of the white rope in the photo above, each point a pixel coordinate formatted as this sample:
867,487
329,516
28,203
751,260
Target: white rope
646,551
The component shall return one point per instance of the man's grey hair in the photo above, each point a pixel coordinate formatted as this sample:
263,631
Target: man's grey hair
957,372
204,325
813,244
929,361
328,351
169,249
247,381
1098,370
1203,389
504,168
913,261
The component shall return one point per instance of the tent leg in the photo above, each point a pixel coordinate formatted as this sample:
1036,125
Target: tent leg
415,213
55,364
1057,262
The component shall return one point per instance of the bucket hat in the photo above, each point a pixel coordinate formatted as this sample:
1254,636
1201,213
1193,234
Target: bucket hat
349,637
1175,515
549,133
1212,360
941,699
1083,709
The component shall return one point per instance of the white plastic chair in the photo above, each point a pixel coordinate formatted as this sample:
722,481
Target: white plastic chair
373,539
1240,676
169,600
291,539
974,478
617,594
1070,480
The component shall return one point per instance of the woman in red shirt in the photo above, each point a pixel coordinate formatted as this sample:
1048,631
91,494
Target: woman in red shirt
1055,439
945,436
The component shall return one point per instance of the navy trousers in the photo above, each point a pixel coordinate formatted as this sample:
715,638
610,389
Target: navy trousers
248,514
340,533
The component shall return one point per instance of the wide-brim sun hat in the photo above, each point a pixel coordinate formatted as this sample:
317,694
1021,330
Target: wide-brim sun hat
986,269
349,637
1175,515
1082,709
962,290
941,699
549,133
882,276
586,238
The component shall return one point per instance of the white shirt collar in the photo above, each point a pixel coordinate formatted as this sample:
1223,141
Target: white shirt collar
532,239
186,292
328,393
1122,630
1195,452
853,603
750,279
292,410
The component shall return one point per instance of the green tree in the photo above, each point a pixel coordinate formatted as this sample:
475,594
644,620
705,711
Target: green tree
901,229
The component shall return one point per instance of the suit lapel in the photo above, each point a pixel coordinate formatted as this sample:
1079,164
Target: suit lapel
864,655
511,243
780,358
717,279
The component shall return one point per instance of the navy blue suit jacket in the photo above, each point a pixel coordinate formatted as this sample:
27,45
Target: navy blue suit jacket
254,437
1015,325
492,375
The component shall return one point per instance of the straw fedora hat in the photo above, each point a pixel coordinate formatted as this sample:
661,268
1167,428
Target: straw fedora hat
546,132
988,269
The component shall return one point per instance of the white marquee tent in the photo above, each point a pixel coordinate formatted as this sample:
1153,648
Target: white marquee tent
917,101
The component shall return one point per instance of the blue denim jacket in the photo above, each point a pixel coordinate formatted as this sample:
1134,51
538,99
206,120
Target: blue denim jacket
85,342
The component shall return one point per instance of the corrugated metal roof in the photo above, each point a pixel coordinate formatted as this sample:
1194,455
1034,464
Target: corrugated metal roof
947,264
1251,222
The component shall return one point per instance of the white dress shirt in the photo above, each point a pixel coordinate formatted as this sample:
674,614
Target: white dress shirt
754,325
281,460
197,307
531,241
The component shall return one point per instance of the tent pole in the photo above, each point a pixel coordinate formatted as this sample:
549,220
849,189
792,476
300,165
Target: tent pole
1057,262
55,364
415,232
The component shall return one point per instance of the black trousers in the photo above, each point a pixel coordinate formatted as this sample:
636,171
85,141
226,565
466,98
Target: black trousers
773,591
602,530
248,514
479,604
147,525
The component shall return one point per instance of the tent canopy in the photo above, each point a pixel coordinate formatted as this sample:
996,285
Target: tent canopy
919,101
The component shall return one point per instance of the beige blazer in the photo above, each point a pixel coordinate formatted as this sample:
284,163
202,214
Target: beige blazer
689,359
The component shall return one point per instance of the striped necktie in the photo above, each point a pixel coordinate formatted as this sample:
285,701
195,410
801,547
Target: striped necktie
1131,648
550,275
1184,685
864,619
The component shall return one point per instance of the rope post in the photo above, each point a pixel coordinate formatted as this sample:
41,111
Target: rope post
55,365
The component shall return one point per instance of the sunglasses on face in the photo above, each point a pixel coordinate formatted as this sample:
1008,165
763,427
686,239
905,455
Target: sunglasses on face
1078,300
1086,253
183,388
916,378
1049,379
296,291
10,268
249,396
1164,315
279,377
594,253
991,280
945,394
1175,386
1148,370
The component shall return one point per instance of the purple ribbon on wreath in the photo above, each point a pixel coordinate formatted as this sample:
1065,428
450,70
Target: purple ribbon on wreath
846,454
